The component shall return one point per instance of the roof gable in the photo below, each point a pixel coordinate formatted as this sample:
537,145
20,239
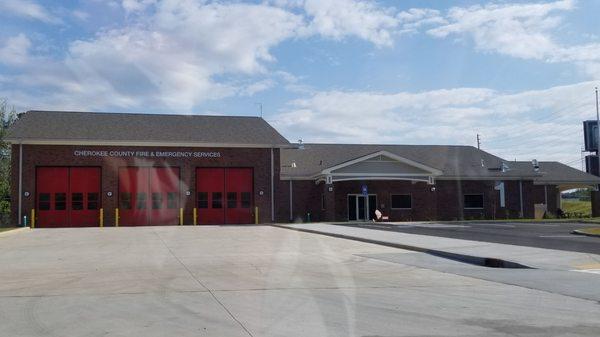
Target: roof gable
382,162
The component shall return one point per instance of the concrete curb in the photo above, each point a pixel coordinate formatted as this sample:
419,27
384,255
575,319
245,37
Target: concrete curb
471,259
14,231
579,232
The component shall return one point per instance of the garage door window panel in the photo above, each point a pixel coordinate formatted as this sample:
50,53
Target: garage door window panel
217,200
140,201
125,200
246,199
171,200
77,201
44,202
92,203
231,200
157,200
60,201
202,200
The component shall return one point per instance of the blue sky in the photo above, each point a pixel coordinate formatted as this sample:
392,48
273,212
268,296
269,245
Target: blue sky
519,73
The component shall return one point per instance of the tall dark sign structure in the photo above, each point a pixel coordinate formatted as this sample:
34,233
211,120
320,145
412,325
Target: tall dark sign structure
590,138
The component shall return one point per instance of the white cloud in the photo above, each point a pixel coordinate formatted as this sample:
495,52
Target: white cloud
15,50
522,30
136,5
27,9
341,18
543,124
257,87
168,60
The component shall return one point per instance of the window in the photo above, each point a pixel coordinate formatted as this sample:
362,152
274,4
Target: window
92,201
171,200
140,200
202,200
125,200
217,200
246,199
401,201
231,199
77,201
322,201
157,199
60,201
473,200
44,202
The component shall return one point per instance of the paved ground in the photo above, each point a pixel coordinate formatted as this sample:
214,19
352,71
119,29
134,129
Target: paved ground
256,281
541,235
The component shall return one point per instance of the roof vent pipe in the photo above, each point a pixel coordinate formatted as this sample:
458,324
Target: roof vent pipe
536,165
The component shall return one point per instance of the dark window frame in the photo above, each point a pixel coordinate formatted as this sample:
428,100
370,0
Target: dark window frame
471,195
401,195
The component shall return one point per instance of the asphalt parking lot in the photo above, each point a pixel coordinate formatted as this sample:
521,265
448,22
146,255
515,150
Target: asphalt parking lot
255,281
551,235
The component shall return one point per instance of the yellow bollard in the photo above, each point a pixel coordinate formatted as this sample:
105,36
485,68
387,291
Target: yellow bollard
256,215
116,217
181,217
101,217
195,216
33,218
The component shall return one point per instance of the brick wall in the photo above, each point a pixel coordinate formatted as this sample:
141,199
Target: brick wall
446,202
37,155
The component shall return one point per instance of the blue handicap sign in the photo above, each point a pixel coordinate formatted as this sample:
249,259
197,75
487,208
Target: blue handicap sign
364,190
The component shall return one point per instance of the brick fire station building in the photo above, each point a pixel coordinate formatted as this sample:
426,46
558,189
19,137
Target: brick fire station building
72,169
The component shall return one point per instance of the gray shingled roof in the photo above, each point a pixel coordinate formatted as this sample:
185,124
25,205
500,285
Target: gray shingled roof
452,160
59,126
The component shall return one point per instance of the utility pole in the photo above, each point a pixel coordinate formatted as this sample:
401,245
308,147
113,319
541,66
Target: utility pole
479,140
598,133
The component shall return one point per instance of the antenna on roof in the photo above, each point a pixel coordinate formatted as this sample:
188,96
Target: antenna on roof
478,142
260,108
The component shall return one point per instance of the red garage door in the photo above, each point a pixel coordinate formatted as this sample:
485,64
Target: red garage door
238,189
224,195
67,196
148,196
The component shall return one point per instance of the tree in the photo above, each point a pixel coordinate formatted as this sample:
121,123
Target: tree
7,117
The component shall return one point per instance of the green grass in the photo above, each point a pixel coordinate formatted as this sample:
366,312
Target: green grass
589,231
577,206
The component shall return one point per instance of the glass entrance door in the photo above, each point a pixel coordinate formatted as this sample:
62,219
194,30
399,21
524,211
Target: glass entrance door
361,207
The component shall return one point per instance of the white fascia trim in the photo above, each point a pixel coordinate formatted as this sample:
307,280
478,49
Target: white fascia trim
380,178
431,170
487,178
558,182
138,143
377,175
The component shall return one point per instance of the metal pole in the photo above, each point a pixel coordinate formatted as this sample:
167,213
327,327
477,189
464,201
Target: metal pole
597,133
272,187
291,203
20,183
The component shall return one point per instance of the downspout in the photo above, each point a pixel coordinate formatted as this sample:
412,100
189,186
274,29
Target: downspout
546,196
20,211
521,196
291,204
272,188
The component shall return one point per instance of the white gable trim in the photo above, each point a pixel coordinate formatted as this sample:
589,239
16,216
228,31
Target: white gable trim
431,170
